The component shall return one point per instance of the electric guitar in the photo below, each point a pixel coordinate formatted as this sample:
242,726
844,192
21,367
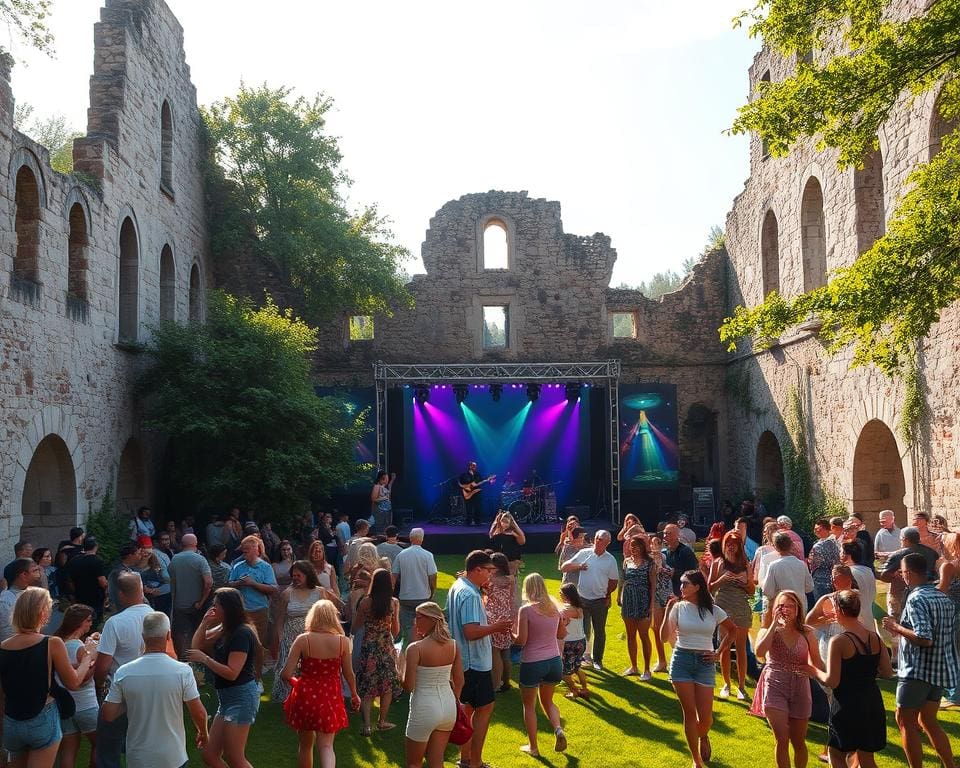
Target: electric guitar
472,489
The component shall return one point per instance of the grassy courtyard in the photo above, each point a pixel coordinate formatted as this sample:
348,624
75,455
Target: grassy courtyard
625,723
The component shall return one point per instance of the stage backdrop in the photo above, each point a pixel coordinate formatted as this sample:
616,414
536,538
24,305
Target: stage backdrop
512,438
648,436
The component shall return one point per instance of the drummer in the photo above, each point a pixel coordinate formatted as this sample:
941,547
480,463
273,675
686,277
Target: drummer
507,537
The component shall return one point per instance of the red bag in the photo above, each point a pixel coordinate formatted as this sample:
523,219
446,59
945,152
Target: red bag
462,730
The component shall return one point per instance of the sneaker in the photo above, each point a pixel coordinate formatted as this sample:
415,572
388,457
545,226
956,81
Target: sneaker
598,666
660,668
587,658
645,677
725,692
741,694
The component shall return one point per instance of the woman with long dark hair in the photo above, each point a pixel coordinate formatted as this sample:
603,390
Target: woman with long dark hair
689,625
75,627
732,585
378,612
500,604
292,607
225,633
638,586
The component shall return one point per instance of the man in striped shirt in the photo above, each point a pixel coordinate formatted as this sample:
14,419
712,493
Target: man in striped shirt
928,660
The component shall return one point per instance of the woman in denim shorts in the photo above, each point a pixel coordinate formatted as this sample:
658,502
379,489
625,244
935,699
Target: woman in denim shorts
223,631
76,624
689,625
31,723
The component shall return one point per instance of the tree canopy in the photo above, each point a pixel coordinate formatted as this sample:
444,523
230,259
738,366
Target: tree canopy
894,292
235,399
28,20
275,186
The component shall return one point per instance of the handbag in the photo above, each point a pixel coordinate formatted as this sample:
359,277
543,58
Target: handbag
462,730
66,706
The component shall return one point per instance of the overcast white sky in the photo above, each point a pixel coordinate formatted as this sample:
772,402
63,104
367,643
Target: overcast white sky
616,109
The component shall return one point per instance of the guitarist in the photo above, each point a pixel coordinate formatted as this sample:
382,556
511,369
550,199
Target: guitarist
471,483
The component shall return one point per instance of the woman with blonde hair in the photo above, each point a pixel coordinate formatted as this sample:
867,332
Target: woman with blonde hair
507,537
314,708
540,625
433,678
317,555
31,722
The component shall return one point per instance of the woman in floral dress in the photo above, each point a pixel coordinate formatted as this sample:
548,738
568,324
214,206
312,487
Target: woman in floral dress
500,605
379,614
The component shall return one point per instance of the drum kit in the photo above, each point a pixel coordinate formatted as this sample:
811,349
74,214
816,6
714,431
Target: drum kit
534,504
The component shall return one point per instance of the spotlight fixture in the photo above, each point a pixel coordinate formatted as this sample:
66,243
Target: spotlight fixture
460,392
421,394
573,391
533,391
495,391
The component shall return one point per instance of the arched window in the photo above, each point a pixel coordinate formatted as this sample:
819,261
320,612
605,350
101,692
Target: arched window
868,193
129,282
770,253
764,148
196,295
26,261
168,285
813,241
77,253
166,148
495,249
939,127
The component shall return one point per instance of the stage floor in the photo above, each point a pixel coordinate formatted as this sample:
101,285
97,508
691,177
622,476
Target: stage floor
461,539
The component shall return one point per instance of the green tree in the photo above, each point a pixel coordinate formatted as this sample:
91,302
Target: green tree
892,294
274,185
234,397
27,19
54,133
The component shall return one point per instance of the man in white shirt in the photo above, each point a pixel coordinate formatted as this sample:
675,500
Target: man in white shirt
786,572
152,691
416,571
121,641
599,574
887,540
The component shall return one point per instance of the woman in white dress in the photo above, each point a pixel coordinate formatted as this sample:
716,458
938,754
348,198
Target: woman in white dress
434,677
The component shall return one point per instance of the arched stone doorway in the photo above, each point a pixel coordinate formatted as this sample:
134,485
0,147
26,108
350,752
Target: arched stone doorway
49,501
878,480
131,479
768,478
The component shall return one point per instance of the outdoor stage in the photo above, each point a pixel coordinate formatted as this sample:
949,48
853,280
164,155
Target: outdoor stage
461,539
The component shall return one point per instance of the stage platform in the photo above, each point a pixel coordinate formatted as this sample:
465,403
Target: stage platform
460,539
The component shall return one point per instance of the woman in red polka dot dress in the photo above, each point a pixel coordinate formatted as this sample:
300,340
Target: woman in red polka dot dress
314,707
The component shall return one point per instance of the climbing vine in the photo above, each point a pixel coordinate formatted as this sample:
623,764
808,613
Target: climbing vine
796,464
914,406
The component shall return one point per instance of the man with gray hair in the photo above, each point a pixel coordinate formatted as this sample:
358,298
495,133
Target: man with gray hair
786,572
152,690
599,575
415,570
785,524
887,540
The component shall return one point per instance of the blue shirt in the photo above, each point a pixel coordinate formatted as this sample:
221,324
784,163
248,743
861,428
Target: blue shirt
929,613
464,606
750,547
260,572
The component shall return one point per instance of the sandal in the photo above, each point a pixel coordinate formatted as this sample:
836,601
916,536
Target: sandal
706,750
584,694
386,726
528,750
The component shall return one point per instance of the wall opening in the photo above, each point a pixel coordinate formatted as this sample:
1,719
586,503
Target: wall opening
878,480
495,250
764,145
496,329
166,147
939,127
624,325
196,295
26,260
770,253
77,246
168,285
768,480
361,328
49,505
131,479
868,194
813,239
129,282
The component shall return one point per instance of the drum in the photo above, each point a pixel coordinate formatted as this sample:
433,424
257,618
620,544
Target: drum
507,498
520,511
528,493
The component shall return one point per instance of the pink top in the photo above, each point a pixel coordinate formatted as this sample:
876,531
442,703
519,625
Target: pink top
542,641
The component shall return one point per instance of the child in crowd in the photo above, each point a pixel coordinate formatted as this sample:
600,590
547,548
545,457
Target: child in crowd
575,642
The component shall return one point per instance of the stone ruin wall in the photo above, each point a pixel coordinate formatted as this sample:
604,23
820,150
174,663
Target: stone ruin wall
68,377
843,407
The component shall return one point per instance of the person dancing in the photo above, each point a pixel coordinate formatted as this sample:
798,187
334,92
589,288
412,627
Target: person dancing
638,585
661,596
732,585
501,605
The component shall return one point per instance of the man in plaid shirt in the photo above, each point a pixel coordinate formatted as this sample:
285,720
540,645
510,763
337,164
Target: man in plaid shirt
928,661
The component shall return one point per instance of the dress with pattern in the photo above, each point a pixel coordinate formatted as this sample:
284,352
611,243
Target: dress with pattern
664,584
377,666
636,590
500,606
292,626
734,600
315,702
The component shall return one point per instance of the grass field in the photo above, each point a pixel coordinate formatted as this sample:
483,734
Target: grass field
625,723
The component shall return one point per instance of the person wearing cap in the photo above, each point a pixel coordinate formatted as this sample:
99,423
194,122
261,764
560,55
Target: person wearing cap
796,543
88,573
688,536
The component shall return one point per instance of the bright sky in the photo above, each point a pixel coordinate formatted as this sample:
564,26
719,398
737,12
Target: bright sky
615,108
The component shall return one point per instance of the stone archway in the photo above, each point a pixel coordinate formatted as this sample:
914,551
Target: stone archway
49,502
878,477
768,477
131,479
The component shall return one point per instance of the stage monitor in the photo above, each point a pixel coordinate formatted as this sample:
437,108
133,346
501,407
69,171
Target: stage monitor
648,436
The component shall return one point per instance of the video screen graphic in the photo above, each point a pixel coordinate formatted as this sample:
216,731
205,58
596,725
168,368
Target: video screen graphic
648,436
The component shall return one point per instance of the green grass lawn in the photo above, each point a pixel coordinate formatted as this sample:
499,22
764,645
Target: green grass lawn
625,723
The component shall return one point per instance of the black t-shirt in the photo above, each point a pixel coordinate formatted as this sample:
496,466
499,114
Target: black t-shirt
241,641
85,571
893,562
470,477
507,544
867,543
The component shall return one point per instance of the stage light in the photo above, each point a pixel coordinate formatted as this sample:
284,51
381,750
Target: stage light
533,391
495,391
572,391
460,392
421,394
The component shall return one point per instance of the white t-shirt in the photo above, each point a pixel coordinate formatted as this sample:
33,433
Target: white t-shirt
154,688
867,584
695,632
601,569
122,635
415,566
85,697
787,573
